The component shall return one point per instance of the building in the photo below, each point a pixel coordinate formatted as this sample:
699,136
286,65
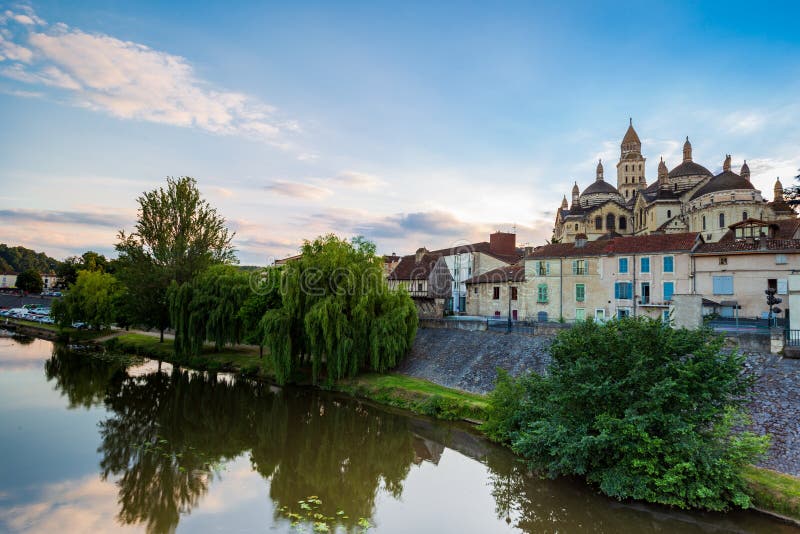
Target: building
8,280
751,257
498,293
617,277
427,280
688,198
471,259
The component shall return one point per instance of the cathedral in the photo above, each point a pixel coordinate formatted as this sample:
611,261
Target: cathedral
688,198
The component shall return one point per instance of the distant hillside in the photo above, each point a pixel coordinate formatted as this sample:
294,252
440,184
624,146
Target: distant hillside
19,259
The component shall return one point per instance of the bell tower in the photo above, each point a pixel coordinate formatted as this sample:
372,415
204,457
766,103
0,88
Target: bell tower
631,166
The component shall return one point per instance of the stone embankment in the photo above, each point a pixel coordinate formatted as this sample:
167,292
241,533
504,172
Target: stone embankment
468,361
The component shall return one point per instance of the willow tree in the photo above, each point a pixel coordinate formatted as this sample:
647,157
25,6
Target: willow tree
177,236
337,313
207,309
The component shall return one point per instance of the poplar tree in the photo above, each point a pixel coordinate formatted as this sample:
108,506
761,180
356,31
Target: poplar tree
337,313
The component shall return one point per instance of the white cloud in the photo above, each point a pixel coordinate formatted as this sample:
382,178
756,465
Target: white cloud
298,190
129,80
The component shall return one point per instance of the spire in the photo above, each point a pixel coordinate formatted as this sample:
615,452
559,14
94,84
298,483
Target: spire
726,166
599,170
564,204
745,172
630,143
778,191
687,150
575,193
663,174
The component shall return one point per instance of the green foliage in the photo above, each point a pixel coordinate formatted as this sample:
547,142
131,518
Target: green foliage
92,299
642,410
265,295
207,309
67,270
177,236
30,281
337,313
19,259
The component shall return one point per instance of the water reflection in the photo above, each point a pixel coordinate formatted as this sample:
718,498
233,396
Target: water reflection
169,436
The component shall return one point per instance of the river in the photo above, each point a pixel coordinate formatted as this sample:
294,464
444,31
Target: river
92,445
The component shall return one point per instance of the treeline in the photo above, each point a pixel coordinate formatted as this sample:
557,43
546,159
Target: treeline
330,310
21,259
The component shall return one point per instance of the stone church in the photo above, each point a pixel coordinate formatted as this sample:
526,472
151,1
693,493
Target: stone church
688,198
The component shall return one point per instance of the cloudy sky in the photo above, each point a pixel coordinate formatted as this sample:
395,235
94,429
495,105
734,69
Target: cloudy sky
411,123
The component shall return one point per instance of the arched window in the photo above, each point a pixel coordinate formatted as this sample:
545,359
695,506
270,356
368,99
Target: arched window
610,222
598,223
627,193
623,223
576,227
722,220
669,214
704,222
626,168
744,215
640,168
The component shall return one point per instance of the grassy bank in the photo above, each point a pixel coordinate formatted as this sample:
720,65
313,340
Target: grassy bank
417,395
239,359
51,331
774,492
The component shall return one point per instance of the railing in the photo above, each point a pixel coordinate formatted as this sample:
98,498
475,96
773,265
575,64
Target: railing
793,338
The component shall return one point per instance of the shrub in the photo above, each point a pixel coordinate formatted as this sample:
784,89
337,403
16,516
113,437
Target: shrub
640,409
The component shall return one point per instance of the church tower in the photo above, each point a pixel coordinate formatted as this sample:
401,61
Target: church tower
631,166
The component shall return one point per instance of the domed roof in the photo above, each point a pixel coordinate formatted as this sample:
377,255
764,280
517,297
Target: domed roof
725,181
600,186
689,168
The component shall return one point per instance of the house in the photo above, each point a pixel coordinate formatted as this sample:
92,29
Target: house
754,255
470,259
389,264
498,293
8,280
426,278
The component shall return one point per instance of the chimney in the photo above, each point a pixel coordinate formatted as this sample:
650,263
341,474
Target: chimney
504,243
420,253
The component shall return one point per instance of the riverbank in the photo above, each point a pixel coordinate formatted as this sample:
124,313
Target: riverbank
772,492
52,332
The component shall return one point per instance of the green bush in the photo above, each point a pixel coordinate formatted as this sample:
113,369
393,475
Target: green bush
442,408
640,409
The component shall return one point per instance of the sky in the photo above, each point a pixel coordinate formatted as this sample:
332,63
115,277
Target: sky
410,123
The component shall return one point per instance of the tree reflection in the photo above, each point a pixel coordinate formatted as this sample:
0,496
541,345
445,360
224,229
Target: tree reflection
84,380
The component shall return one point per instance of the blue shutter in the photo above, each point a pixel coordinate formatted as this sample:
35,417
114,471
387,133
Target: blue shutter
645,265
669,289
669,264
723,285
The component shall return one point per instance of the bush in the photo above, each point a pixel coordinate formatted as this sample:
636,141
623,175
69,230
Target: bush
642,410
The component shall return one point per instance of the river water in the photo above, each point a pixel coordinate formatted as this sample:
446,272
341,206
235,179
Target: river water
90,445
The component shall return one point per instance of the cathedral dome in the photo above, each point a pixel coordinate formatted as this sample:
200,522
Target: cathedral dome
600,186
689,168
725,181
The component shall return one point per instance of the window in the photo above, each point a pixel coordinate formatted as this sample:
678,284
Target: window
623,223
576,227
580,314
645,293
579,267
644,265
780,259
723,285
722,220
669,214
669,290
542,268
513,293
541,294
419,286
623,290
623,312
669,264
626,168
600,314
623,265
665,316
610,222
475,290
580,292
744,215
496,293
723,260
704,222
598,223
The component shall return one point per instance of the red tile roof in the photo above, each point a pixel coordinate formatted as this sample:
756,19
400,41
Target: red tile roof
513,273
483,247
621,245
754,245
410,269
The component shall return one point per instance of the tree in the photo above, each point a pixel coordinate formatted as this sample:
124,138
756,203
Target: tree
207,309
91,299
90,260
792,194
30,281
338,313
264,295
177,236
640,409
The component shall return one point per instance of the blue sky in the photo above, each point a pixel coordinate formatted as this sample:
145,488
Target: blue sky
411,123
